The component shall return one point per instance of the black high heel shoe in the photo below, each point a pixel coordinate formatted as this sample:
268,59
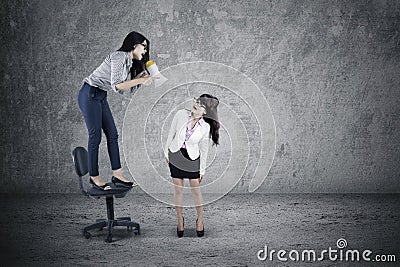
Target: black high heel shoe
115,180
99,187
199,233
180,233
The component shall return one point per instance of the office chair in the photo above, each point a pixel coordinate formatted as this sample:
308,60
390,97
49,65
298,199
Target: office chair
80,158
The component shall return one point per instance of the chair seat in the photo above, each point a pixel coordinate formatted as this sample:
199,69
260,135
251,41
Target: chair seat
116,191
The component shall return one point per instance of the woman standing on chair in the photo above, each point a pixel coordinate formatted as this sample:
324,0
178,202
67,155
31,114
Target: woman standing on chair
121,71
186,152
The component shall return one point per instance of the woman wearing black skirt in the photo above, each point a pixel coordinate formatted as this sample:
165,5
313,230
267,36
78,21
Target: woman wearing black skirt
186,152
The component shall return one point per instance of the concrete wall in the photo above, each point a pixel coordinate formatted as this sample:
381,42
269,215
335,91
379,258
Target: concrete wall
329,70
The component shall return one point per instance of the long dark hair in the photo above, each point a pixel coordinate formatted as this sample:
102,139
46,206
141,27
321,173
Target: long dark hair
132,39
211,116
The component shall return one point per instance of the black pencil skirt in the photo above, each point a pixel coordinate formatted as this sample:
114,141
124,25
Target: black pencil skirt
182,166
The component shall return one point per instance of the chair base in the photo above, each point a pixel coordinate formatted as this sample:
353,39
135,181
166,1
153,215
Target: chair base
110,222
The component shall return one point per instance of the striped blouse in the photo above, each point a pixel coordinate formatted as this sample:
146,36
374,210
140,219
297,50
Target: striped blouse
113,70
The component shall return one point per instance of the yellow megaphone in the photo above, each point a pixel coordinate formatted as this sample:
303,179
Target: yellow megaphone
154,72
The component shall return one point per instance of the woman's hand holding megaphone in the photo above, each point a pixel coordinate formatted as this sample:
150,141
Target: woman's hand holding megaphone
142,74
148,80
144,78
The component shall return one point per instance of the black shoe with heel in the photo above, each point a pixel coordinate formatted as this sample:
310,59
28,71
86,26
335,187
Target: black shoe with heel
115,181
199,233
99,187
180,233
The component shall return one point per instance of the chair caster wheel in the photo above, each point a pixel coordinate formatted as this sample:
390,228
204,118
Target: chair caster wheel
109,239
86,234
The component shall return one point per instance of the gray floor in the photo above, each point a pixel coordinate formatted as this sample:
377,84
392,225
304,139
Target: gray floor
46,230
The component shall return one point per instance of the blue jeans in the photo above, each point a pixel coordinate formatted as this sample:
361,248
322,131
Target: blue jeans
94,106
